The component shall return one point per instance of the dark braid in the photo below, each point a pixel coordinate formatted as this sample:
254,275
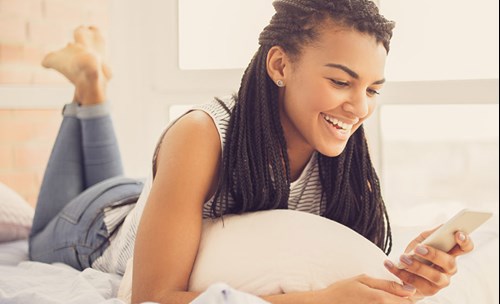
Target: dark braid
255,166
254,173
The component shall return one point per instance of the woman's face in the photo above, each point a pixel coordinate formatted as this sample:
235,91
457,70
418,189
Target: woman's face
331,89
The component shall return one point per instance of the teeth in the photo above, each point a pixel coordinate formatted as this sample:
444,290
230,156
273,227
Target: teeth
337,122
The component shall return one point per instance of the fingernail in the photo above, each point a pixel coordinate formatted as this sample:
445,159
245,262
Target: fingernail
401,266
388,264
408,287
422,250
406,259
462,237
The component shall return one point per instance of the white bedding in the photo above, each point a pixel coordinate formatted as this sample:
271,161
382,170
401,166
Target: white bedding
22,281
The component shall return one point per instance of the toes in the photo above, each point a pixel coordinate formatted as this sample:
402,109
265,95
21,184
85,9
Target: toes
89,36
53,59
107,71
48,60
81,35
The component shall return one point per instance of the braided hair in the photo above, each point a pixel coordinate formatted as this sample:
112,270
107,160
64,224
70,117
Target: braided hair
255,164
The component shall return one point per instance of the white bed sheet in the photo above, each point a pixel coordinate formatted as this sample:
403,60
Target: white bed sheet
23,281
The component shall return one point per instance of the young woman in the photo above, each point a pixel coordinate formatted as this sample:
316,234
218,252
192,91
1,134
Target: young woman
292,137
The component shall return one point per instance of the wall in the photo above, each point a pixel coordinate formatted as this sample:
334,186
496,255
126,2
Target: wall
30,96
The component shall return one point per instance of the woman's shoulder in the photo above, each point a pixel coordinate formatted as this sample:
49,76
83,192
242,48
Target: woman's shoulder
215,113
194,127
219,109
202,126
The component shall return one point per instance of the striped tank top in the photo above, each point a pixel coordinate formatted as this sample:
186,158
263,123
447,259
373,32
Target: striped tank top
305,195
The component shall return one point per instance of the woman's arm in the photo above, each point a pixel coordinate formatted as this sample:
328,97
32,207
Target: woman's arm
169,233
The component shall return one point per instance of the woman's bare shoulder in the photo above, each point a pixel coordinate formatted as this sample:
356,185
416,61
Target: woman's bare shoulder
191,151
195,124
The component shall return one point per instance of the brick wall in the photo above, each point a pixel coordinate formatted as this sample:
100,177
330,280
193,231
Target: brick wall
28,30
26,138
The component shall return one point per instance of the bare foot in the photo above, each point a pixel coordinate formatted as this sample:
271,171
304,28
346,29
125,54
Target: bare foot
92,38
82,64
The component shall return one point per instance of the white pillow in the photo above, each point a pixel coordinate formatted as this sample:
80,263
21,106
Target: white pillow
16,215
282,251
278,251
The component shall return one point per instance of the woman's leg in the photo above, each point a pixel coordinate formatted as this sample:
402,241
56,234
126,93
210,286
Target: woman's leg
78,235
82,179
101,154
79,159
64,176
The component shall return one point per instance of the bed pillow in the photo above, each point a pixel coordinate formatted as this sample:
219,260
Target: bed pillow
282,251
278,251
16,215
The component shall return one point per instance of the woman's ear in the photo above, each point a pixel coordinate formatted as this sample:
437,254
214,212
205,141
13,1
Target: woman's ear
277,62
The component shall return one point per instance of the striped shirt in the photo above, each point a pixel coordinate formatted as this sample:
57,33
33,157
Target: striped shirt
305,195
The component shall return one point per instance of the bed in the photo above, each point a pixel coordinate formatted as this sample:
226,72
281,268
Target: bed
24,281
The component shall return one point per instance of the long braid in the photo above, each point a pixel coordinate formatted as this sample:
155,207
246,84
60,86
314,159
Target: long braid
253,170
255,165
363,208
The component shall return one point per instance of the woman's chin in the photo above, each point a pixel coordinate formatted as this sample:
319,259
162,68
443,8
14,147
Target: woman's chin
332,151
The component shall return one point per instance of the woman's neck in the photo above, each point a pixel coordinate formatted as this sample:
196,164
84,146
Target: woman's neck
298,158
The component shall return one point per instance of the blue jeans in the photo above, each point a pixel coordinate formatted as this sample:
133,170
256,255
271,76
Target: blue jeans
83,177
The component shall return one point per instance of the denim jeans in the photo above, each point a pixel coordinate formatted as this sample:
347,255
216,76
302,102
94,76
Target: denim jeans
83,177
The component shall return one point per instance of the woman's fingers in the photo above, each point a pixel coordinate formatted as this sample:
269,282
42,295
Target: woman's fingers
419,239
424,286
427,268
388,286
434,274
428,279
443,260
464,244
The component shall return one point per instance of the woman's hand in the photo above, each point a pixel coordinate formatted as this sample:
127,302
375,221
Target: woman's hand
365,290
357,290
430,279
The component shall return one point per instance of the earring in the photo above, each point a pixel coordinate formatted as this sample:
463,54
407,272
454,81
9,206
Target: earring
280,83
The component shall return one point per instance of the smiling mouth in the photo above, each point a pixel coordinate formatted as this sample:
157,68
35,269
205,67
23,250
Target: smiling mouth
337,123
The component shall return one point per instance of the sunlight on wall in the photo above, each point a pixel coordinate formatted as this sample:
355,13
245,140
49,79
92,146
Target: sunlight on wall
441,158
445,39
433,40
220,34
438,123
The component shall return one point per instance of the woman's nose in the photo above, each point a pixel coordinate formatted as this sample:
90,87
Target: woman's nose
358,105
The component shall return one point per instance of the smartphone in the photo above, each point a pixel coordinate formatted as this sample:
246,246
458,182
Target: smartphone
444,237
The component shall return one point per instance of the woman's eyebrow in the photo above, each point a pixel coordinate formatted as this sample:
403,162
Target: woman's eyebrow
350,72
343,68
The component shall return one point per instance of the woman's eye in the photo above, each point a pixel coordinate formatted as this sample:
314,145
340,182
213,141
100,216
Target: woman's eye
339,83
373,92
